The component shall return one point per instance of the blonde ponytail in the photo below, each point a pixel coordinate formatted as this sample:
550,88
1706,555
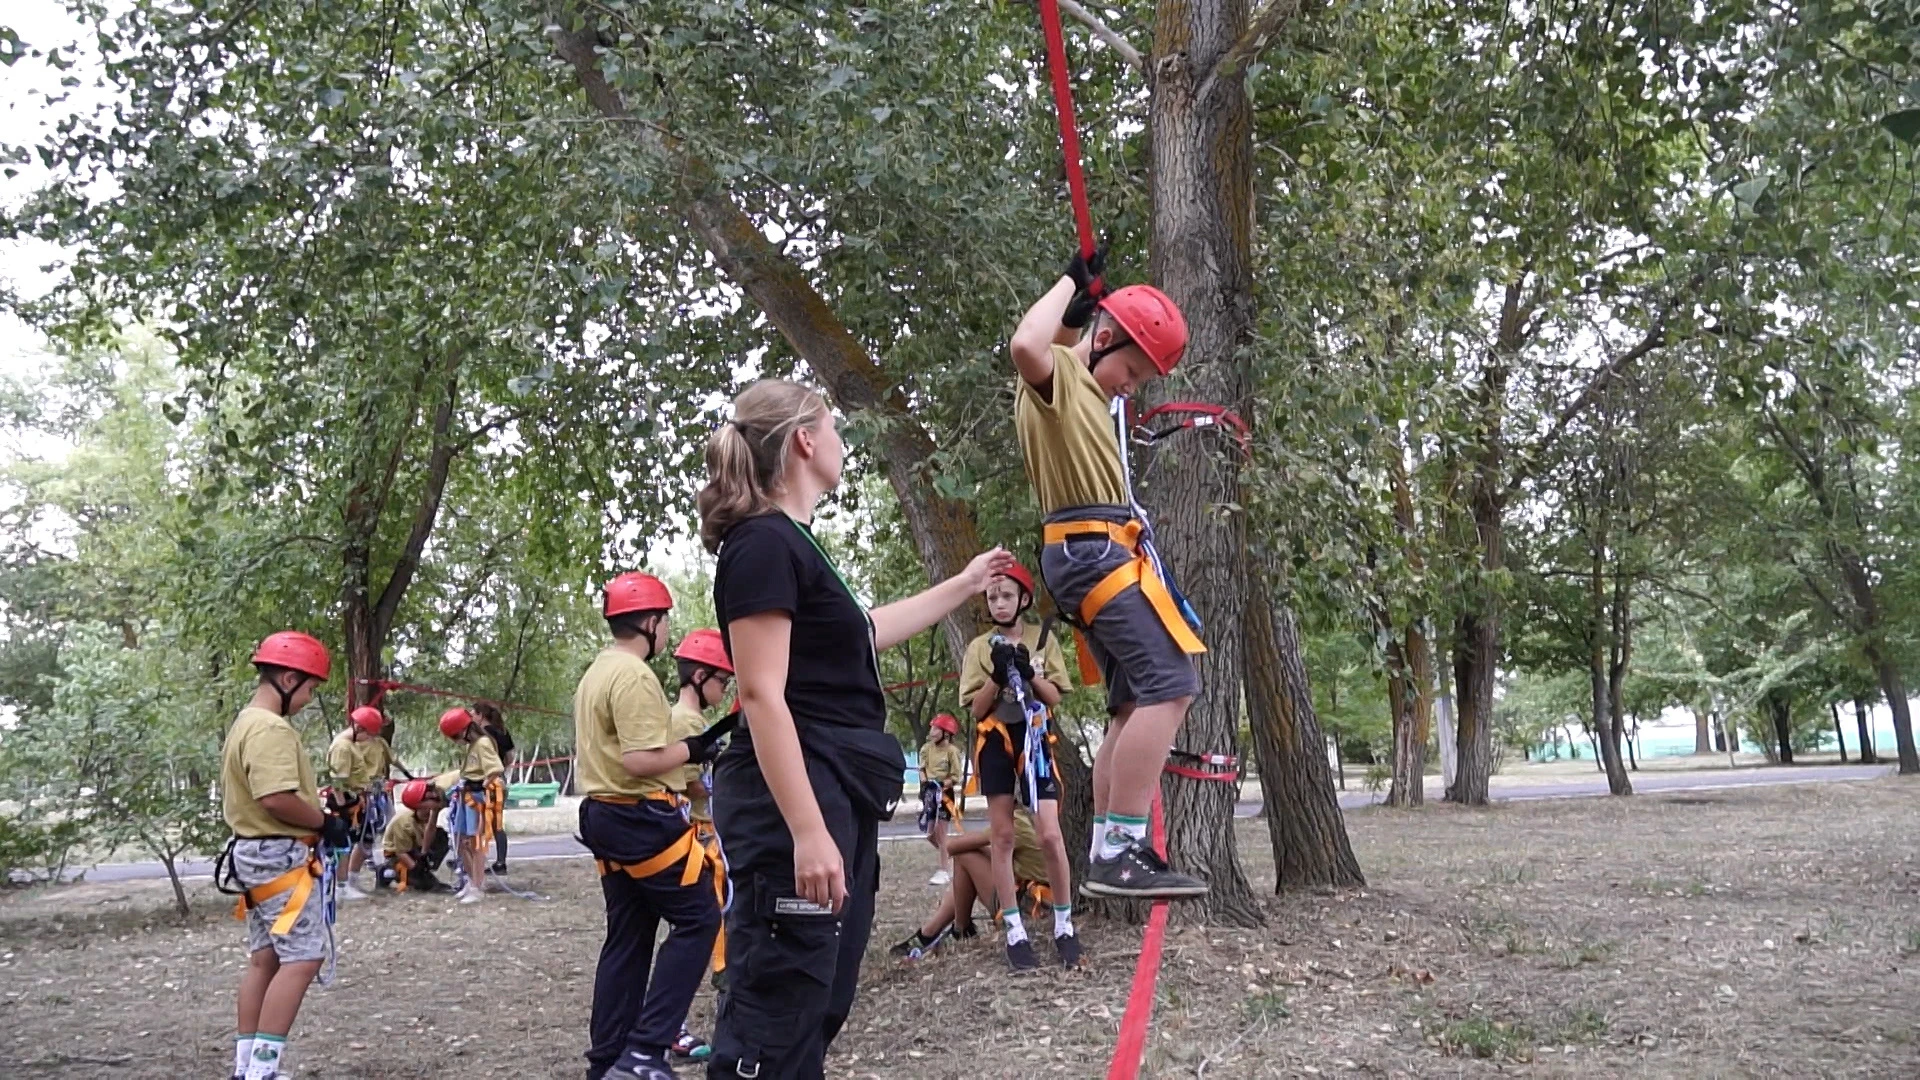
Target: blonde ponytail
747,457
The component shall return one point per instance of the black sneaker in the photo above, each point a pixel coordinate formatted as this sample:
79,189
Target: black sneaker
497,868
1139,874
1020,956
918,947
635,1067
1068,946
965,931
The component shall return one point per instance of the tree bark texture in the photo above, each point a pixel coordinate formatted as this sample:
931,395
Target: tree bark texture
944,530
1201,177
1839,732
1869,754
1075,775
1702,732
1304,820
1894,688
1780,711
1410,662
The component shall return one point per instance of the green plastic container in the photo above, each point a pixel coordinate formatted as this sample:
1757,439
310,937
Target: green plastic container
525,795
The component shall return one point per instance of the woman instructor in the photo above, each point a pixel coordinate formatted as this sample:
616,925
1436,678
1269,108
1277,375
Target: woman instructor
812,771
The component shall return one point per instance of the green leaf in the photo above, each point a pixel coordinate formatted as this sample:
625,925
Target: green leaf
1903,125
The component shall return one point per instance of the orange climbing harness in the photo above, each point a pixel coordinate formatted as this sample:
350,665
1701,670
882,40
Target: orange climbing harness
1140,570
716,858
687,852
298,881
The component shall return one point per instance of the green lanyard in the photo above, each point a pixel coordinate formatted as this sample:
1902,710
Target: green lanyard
851,595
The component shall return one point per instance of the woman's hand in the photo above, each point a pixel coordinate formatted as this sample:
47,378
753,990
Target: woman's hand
818,873
984,568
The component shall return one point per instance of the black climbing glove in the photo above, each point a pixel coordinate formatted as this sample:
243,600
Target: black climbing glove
703,747
334,832
1023,663
1002,659
1085,272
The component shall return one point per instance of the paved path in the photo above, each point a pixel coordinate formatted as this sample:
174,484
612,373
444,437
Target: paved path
564,847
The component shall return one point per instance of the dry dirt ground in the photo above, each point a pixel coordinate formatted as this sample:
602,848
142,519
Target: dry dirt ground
1766,932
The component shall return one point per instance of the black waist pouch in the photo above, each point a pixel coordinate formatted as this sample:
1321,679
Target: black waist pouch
869,764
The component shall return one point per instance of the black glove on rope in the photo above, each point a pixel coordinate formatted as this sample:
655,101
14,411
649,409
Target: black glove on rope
334,832
1002,659
1085,272
703,747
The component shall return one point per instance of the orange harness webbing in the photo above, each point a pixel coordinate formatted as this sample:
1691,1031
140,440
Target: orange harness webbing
1140,571
687,850
1019,755
298,880
710,842
486,809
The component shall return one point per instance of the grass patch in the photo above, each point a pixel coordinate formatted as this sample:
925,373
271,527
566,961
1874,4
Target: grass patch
1584,1024
1590,952
1483,1038
1270,1006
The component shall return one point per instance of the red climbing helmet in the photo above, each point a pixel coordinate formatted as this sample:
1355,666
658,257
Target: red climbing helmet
1152,320
635,591
368,719
455,722
705,647
1019,576
413,793
295,651
945,722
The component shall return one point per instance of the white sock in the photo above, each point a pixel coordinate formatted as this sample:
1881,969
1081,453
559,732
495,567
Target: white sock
1099,834
265,1062
1121,831
1062,920
242,1054
1016,930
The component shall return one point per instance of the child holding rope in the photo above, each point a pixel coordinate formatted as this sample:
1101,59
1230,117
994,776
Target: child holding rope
940,768
357,764
812,771
477,800
270,801
1076,350
1008,671
630,760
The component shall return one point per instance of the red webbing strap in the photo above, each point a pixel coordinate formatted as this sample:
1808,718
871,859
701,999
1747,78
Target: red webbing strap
1133,1025
1069,133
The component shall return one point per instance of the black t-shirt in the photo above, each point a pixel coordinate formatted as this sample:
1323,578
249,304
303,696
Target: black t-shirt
768,563
502,741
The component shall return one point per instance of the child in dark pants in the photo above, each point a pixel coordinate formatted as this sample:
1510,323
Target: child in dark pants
652,867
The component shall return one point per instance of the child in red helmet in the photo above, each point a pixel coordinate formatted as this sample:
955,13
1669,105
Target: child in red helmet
1011,668
270,801
413,843
358,761
940,769
630,761
705,674
473,811
1078,350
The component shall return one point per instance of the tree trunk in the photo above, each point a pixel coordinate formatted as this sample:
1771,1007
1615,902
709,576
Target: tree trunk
1607,739
1076,798
1839,733
1304,821
1869,753
944,530
1702,732
1895,691
1780,710
172,866
1200,177
1405,787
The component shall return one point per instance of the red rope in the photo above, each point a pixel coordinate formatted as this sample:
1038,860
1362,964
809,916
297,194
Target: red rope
1069,132
1133,1024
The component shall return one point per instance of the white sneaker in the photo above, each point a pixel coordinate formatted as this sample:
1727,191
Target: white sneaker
348,892
470,897
940,877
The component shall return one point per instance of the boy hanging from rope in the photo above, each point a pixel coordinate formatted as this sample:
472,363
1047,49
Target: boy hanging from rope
270,801
1077,350
705,673
1009,678
474,807
357,764
414,844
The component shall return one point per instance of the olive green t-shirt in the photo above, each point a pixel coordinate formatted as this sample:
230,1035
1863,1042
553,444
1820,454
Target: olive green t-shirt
687,720
1029,863
355,764
940,762
403,834
482,760
976,668
618,707
262,757
1072,458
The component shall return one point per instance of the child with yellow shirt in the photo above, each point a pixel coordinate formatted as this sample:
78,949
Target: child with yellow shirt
357,764
270,801
628,758
705,673
940,768
1077,350
413,843
473,800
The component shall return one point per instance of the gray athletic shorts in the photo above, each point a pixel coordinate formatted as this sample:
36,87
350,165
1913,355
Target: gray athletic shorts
256,862
1138,658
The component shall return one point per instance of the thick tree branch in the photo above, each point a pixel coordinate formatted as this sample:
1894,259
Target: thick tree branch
1114,39
1260,30
427,511
1655,338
